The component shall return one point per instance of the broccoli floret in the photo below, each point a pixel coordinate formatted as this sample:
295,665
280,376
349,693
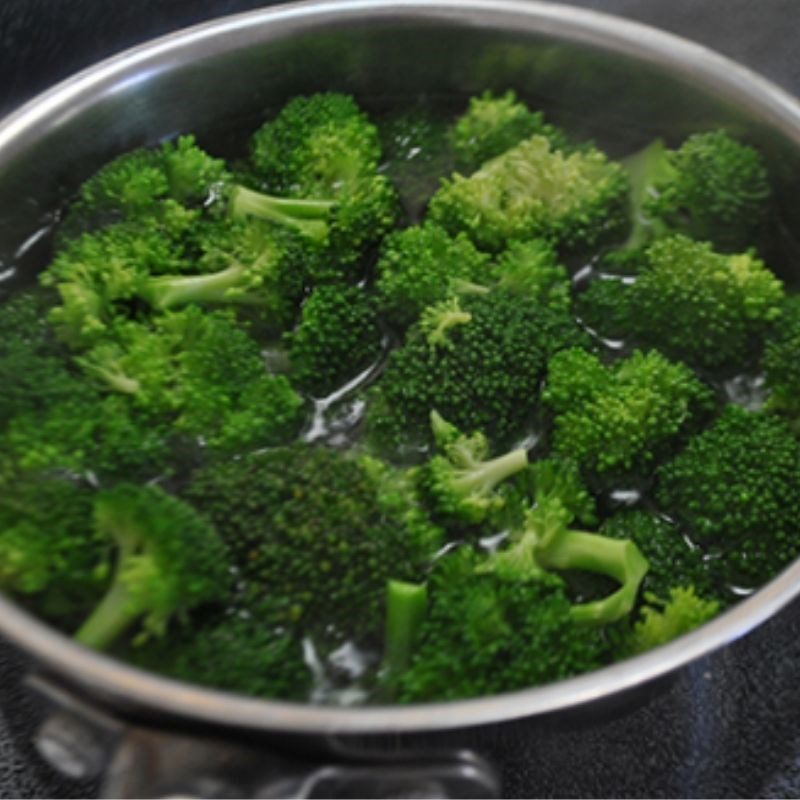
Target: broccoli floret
324,148
605,307
460,480
664,620
487,377
169,183
418,265
735,491
622,417
49,557
545,542
483,635
103,275
169,561
531,269
337,338
493,124
307,530
34,371
239,650
673,559
711,188
532,191
203,372
781,364
726,301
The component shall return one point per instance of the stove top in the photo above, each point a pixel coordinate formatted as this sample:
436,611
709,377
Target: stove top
733,717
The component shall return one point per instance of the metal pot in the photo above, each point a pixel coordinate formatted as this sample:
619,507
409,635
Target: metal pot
615,81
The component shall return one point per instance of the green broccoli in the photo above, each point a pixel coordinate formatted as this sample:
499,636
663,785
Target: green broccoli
493,124
307,530
48,553
406,607
239,650
664,620
417,267
781,364
623,417
726,301
711,188
323,148
337,337
169,561
531,269
202,371
486,378
545,542
460,480
735,491
483,635
532,190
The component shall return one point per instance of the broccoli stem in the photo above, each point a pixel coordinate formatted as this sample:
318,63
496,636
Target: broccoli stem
110,618
116,380
645,168
406,606
617,558
169,291
486,475
309,217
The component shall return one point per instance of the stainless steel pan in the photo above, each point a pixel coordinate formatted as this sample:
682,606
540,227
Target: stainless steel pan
613,80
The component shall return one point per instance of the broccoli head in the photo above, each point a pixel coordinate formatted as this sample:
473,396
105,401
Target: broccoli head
417,267
485,378
308,531
617,418
780,362
493,124
533,190
734,490
711,188
337,338
168,561
483,635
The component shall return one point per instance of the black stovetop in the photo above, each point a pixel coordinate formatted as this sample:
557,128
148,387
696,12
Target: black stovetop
737,712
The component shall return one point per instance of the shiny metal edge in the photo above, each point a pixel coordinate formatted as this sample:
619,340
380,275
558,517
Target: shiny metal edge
134,689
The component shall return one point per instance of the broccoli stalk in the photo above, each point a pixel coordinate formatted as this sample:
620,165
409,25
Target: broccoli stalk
461,481
309,217
406,607
546,542
169,560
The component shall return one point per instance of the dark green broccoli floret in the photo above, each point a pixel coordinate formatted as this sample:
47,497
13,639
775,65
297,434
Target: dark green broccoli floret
484,635
735,490
605,307
417,267
781,362
662,621
34,372
546,542
725,301
495,123
624,416
307,530
486,377
48,553
168,561
531,269
673,560
324,148
532,191
711,188
239,650
460,480
337,338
